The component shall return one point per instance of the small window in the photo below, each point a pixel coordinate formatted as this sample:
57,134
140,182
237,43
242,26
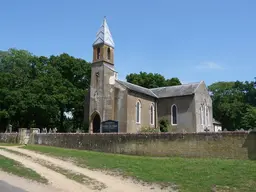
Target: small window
98,53
138,112
152,114
174,115
109,56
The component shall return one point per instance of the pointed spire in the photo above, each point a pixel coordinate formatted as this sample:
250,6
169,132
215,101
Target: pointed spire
104,36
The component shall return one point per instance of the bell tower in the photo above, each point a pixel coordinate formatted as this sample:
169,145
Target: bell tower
103,78
103,47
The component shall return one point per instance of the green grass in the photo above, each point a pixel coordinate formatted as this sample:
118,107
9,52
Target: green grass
191,175
15,168
9,144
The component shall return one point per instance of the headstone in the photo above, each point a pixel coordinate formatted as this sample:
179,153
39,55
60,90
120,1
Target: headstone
110,126
78,130
50,130
225,129
34,130
44,130
54,130
249,130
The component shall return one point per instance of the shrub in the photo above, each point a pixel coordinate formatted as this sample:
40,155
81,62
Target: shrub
164,125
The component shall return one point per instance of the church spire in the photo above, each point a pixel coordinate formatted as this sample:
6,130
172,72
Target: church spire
104,35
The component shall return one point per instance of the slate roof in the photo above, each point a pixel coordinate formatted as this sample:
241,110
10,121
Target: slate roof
174,91
104,35
214,121
137,88
162,92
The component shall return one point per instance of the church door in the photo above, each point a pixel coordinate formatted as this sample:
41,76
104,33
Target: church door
96,124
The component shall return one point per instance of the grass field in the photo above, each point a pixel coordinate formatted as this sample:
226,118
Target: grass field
15,168
193,175
9,144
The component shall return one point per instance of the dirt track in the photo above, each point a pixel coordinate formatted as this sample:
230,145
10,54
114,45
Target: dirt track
59,182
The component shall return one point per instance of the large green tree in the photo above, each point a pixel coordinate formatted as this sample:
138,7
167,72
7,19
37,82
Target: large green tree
151,80
37,91
234,104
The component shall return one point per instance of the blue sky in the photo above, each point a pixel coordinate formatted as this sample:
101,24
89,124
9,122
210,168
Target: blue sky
212,40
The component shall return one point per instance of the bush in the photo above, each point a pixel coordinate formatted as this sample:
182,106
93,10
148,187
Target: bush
164,125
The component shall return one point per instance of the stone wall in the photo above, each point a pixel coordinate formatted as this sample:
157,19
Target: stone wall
235,145
9,137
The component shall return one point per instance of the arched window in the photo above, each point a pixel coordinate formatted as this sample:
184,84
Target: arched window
138,112
206,116
98,53
152,114
109,56
201,115
174,115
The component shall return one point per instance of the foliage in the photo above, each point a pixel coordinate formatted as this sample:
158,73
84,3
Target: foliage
234,104
37,90
150,80
164,125
191,175
147,129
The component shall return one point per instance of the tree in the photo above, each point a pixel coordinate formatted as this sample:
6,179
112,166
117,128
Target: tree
233,104
78,73
37,90
173,81
150,80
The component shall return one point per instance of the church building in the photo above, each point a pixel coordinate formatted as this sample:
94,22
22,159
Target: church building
187,107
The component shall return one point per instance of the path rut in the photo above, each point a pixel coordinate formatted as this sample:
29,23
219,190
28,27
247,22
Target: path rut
112,183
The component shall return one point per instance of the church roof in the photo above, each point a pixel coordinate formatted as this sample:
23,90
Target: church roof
104,35
174,91
137,88
162,92
214,121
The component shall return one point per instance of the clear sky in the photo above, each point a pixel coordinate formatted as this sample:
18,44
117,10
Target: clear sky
210,40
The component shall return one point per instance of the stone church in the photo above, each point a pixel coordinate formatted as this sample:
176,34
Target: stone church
187,107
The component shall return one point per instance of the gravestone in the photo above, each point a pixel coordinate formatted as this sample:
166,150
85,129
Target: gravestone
110,126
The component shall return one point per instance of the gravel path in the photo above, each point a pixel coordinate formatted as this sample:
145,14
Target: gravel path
59,181
12,183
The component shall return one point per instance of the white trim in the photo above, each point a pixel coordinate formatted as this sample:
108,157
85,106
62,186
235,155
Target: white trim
136,106
172,115
152,111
